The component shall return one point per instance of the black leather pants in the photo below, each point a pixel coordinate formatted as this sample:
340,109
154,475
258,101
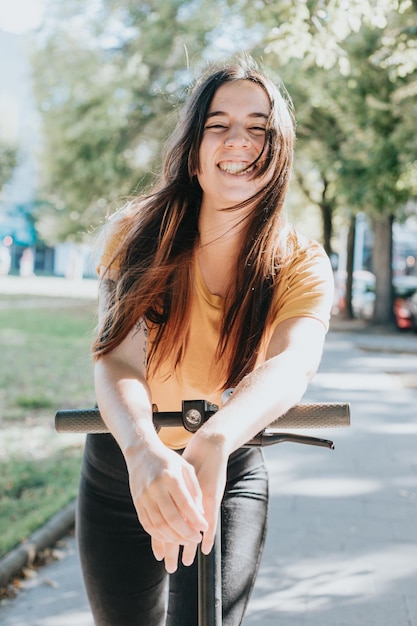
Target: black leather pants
126,585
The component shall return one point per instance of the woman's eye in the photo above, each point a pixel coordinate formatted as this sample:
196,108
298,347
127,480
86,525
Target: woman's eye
258,129
215,126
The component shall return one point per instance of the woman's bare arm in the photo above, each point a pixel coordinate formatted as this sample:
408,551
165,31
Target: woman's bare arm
120,378
293,357
163,485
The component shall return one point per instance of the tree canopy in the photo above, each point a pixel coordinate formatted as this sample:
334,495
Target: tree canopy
109,77
356,126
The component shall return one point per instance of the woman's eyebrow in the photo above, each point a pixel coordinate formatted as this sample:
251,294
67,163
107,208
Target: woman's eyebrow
225,114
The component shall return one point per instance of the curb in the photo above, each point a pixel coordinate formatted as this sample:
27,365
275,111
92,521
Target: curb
376,338
55,528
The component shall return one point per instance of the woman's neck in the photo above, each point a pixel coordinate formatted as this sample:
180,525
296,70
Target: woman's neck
221,235
224,229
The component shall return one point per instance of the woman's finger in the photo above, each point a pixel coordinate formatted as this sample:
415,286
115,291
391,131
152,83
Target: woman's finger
209,536
164,520
171,557
158,548
194,489
188,553
187,496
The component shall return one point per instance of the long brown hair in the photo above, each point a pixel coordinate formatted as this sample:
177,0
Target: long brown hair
160,232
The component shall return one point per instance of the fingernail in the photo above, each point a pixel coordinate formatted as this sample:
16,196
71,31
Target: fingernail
206,550
170,569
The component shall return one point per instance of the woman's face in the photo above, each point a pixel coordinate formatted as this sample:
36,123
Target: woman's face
234,136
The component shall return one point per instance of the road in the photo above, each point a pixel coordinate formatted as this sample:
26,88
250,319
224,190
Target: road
342,545
341,548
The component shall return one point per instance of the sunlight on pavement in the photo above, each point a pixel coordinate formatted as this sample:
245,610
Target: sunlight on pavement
81,618
357,381
325,487
318,581
49,286
396,428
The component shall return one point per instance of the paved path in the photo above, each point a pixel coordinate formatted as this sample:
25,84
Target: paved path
341,549
48,286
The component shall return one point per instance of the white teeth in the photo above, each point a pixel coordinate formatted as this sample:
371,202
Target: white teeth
235,168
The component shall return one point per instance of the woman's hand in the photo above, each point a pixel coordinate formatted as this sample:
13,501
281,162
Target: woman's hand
209,457
169,552
167,498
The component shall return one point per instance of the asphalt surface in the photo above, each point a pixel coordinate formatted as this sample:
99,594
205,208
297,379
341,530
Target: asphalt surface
341,548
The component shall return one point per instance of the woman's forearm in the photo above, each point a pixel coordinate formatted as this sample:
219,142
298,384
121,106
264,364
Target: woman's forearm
271,389
263,396
125,404
164,487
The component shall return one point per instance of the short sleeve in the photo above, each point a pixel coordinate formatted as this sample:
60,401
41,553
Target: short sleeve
305,286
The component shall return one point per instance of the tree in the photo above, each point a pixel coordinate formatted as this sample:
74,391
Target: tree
356,137
321,132
374,166
350,65
108,77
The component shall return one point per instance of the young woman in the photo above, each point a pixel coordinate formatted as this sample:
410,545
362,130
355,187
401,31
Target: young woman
204,287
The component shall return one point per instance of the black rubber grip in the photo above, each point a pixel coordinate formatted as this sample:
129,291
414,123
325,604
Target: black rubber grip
318,415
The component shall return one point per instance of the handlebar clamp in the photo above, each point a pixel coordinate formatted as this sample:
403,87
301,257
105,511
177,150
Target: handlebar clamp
196,412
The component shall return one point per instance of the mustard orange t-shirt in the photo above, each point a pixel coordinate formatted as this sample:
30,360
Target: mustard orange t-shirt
304,289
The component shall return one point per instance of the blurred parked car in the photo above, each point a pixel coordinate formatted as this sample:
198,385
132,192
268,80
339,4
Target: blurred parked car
363,294
405,298
405,288
413,309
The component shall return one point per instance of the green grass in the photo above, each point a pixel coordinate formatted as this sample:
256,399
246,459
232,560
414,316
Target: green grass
32,491
45,365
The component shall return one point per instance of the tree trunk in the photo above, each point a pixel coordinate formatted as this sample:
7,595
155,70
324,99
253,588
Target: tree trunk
349,266
326,216
382,268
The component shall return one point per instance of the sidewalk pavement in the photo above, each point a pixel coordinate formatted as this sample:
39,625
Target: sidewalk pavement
52,286
341,549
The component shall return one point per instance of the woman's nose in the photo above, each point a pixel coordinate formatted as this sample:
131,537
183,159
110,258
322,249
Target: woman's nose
237,138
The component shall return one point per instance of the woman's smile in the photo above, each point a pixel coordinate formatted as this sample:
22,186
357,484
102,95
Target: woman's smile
236,168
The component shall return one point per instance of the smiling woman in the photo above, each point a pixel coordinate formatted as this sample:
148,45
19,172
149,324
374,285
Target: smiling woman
204,286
